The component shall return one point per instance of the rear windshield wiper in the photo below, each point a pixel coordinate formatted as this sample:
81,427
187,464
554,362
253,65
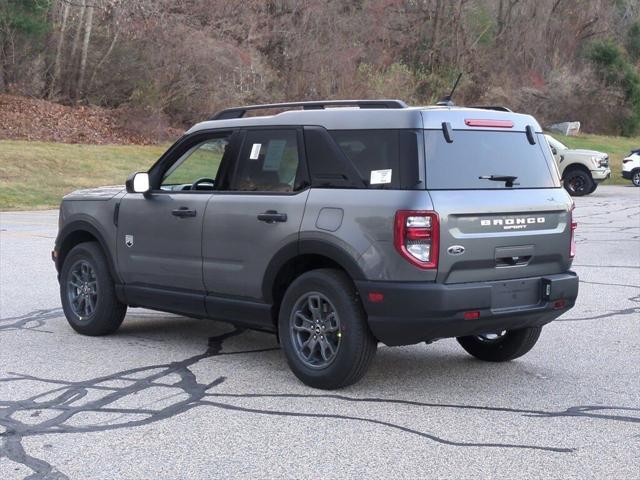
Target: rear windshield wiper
507,179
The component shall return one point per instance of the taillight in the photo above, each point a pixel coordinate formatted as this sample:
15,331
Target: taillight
574,225
416,237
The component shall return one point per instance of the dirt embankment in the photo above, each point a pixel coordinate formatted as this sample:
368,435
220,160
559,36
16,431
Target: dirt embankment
23,118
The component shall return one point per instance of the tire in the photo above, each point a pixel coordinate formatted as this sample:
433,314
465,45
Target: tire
635,177
508,346
578,182
325,298
91,307
593,189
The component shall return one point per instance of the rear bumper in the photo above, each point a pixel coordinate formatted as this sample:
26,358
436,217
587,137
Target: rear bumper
412,312
626,175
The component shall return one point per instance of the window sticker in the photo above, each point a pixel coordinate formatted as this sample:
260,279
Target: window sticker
379,177
255,151
273,159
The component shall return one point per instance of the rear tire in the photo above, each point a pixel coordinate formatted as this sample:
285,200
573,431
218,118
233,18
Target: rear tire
87,292
635,177
508,346
323,330
578,182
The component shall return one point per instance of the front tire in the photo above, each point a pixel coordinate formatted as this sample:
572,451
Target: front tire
503,346
323,330
635,177
578,182
87,292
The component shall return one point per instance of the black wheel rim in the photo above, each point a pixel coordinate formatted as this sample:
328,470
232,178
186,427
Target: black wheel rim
492,337
577,184
82,289
315,330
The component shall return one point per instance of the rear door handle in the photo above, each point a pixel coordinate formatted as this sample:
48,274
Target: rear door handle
183,212
272,216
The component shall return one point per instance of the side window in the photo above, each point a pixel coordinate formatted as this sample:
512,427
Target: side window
200,164
268,162
383,158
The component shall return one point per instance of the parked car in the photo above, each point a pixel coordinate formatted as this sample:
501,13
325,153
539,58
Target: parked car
581,170
336,229
631,167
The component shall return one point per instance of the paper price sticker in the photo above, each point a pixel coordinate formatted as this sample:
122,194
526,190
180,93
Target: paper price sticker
255,151
379,177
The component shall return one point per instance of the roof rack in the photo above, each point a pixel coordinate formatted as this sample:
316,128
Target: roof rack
239,112
499,108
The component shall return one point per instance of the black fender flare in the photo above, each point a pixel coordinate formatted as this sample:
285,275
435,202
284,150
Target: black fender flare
308,247
88,227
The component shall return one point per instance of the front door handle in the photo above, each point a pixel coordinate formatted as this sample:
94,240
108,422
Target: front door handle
183,212
272,216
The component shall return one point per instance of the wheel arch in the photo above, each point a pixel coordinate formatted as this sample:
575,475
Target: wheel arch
575,166
77,232
297,258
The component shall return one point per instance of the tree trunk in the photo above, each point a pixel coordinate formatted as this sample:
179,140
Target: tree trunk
85,51
73,61
2,82
57,61
104,58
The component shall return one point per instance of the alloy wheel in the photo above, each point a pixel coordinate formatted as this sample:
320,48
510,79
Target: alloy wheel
82,289
315,330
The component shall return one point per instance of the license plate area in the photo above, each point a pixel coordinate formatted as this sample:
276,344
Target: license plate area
515,293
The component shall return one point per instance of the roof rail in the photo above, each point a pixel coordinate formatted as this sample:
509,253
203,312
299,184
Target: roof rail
239,112
499,108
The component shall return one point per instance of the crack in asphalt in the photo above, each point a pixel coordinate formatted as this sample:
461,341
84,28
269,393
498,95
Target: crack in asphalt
64,397
611,313
62,401
607,266
30,321
626,285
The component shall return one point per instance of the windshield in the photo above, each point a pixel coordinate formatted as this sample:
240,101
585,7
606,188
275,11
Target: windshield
487,160
555,143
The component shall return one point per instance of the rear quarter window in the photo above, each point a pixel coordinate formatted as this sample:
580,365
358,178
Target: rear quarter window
382,158
474,154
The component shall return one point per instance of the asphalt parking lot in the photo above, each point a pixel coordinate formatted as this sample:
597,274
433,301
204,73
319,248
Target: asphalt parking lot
171,397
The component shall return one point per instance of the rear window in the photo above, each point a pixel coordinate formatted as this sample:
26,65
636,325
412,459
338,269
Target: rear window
382,158
475,154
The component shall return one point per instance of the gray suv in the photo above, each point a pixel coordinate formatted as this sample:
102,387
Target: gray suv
335,229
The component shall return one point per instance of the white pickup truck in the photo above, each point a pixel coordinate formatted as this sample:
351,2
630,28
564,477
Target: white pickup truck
581,170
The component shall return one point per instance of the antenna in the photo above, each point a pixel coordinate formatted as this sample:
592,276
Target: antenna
447,101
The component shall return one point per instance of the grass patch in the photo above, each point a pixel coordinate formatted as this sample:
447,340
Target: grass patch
616,147
36,175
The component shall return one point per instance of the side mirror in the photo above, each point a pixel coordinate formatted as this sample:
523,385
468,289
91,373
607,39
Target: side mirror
138,183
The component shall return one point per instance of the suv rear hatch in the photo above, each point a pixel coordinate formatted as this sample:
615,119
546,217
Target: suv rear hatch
503,213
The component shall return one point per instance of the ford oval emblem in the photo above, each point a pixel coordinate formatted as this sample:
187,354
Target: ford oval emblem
455,250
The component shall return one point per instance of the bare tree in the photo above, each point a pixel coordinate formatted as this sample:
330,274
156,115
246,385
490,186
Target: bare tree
85,51
58,58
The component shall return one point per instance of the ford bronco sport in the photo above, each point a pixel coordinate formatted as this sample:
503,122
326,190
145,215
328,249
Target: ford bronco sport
336,229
